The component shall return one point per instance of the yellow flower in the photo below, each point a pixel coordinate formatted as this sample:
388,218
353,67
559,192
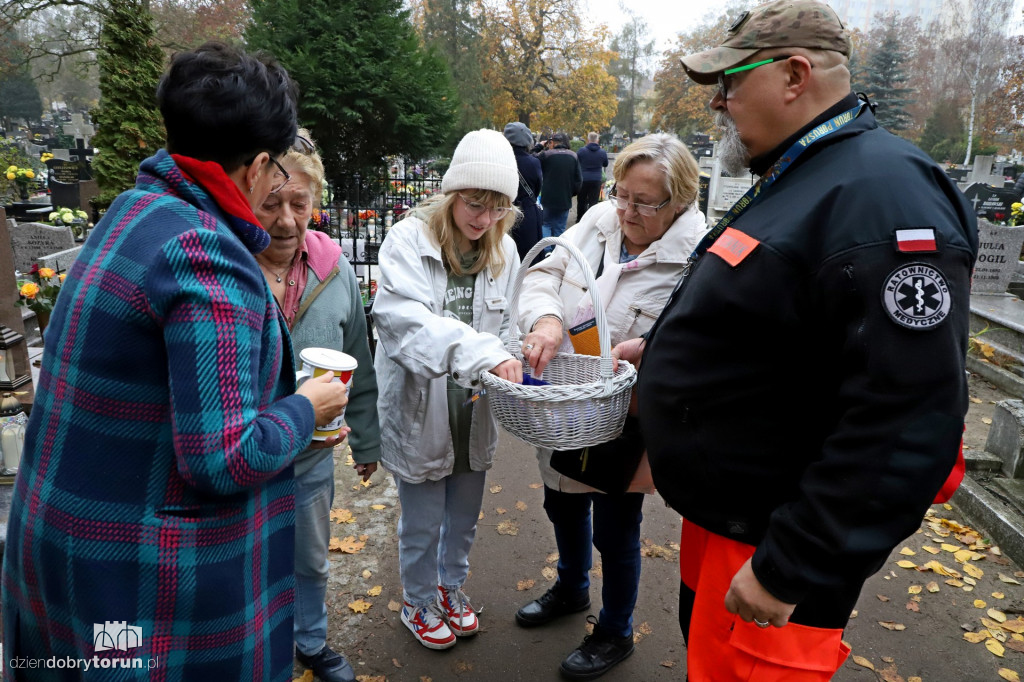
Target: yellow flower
62,276
10,175
11,169
29,289
29,174
46,273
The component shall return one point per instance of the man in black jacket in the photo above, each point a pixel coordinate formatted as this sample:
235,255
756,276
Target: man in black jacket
562,179
593,161
802,394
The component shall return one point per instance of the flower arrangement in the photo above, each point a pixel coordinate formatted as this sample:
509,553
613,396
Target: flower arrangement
66,216
367,215
41,294
1016,209
22,177
321,219
45,156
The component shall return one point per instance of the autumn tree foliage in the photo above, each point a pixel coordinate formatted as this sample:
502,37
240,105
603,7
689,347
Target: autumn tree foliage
184,24
631,68
544,66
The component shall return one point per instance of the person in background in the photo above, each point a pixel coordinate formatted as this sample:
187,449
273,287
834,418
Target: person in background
442,317
526,232
318,293
638,243
593,161
851,237
561,182
155,490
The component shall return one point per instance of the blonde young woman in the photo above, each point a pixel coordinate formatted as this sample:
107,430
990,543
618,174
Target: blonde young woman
446,275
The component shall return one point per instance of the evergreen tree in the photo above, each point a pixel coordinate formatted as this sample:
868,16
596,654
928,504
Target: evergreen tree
367,91
631,68
129,125
944,137
885,80
19,96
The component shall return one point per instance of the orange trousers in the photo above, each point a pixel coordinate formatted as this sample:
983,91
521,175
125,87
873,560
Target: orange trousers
721,647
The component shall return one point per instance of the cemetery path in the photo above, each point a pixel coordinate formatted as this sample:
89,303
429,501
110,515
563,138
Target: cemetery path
910,622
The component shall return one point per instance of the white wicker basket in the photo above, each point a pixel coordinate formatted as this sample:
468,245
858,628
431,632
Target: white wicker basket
585,403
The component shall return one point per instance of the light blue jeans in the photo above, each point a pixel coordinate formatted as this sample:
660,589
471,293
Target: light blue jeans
436,532
554,223
314,494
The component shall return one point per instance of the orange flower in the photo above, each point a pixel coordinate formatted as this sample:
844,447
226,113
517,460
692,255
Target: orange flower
62,276
29,289
46,273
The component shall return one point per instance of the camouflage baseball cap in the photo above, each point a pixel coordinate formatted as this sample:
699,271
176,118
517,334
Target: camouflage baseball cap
783,23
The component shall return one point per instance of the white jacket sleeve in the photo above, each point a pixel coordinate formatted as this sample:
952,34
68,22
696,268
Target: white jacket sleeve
411,324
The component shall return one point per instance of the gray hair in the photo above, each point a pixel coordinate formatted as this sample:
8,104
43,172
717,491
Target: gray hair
672,157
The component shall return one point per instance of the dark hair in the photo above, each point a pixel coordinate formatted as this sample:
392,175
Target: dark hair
224,105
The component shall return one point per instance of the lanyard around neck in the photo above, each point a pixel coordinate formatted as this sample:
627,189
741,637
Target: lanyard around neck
765,181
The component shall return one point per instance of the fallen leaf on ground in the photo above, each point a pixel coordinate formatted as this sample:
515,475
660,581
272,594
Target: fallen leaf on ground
995,647
480,516
997,616
520,505
549,573
1007,579
366,484
394,662
913,606
863,662
954,582
976,637
641,632
882,597
394,606
424,678
976,400
508,528
970,581
986,420
535,486
495,489
914,679
1016,645
853,614
348,545
889,625
890,675
888,659
349,461
932,587
946,547
525,585
342,516
1009,675
500,510
906,563
360,606
1016,625
963,555
974,571
914,589
552,558
998,595
668,664
367,573
992,625
306,677
463,667
930,549
375,591
649,549
906,551
979,604
378,507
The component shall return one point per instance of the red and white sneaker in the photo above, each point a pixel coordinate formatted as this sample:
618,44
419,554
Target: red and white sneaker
458,612
428,626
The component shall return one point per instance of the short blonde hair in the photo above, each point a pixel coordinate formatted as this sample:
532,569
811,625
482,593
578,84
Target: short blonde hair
308,162
669,154
437,213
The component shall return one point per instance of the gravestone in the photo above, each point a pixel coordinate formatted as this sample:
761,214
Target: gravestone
87,190
998,257
990,203
730,190
982,172
65,195
10,315
32,240
60,261
958,174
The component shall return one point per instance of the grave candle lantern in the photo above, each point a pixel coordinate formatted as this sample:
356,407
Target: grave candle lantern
12,433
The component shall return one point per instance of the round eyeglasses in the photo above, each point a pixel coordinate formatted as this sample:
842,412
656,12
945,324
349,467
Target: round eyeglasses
476,209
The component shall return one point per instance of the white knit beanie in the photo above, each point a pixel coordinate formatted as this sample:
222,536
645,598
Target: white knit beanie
483,160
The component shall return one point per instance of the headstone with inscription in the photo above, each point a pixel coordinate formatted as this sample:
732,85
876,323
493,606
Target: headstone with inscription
998,257
32,240
990,203
730,190
60,261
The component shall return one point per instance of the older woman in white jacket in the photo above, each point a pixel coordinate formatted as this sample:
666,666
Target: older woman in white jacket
446,275
639,241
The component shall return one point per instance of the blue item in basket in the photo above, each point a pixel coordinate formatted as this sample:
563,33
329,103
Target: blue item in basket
528,380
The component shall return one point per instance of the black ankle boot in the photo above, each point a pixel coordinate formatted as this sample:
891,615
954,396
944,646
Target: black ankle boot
599,653
549,606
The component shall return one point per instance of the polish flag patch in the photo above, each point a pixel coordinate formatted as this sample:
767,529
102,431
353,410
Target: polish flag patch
916,240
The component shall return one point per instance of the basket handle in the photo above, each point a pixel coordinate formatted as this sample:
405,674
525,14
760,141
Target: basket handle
599,316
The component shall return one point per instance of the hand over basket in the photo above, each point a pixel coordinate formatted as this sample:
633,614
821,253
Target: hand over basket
585,402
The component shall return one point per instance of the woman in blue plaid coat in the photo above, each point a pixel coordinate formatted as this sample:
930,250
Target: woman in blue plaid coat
151,533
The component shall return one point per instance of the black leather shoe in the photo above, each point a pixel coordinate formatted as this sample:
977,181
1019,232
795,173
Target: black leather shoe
549,606
599,653
328,666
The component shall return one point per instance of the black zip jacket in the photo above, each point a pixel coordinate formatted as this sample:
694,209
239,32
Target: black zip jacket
809,397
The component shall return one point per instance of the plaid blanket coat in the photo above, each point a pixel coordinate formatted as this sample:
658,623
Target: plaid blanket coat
153,511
